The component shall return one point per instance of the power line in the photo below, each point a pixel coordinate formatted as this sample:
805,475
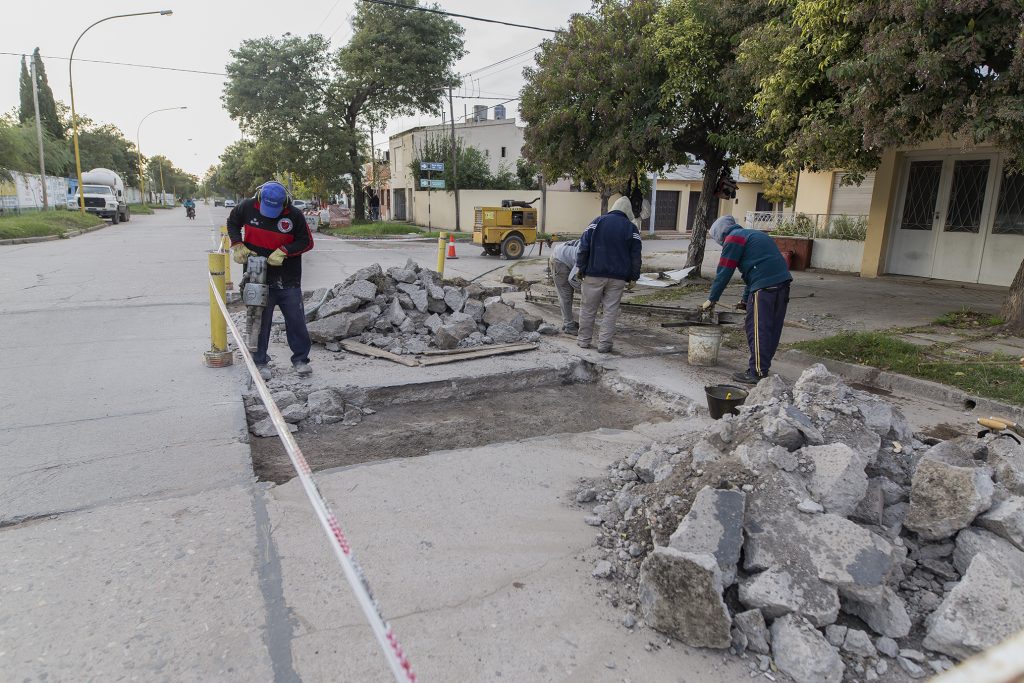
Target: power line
139,66
502,61
431,10
336,3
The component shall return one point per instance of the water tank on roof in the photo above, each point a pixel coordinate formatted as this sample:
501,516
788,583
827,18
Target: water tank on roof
499,112
479,113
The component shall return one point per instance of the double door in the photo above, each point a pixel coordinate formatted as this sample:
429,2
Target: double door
943,216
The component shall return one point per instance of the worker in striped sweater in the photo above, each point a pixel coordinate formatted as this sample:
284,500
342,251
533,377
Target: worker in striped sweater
766,296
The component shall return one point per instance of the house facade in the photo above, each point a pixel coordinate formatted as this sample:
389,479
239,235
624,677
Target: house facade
941,210
678,192
500,140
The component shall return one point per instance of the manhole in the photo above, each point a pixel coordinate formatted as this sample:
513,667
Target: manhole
414,420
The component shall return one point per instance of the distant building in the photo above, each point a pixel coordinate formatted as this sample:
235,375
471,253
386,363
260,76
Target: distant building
500,140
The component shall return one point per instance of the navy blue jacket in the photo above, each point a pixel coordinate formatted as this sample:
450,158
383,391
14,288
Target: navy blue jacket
758,258
610,247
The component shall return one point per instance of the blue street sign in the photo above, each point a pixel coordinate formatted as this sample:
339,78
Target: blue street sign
431,166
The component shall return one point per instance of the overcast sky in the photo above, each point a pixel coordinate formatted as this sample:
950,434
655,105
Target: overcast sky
199,35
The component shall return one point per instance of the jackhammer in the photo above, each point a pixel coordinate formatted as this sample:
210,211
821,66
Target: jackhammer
255,294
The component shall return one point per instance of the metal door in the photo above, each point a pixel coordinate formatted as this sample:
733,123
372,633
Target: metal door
965,204
913,244
666,211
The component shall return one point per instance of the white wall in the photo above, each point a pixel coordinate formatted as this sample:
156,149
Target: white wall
26,191
841,255
487,136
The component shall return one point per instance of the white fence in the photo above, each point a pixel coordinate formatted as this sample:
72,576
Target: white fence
813,225
25,192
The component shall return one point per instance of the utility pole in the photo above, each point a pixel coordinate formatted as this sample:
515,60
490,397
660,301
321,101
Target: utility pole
163,200
455,167
39,134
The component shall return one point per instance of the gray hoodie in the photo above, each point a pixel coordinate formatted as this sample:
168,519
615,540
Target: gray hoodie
721,227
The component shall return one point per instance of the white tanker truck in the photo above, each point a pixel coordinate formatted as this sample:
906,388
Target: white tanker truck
104,195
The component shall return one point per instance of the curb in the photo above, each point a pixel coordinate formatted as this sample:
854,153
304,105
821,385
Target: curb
50,238
891,381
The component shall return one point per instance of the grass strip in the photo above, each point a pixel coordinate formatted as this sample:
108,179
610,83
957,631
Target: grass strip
996,376
45,223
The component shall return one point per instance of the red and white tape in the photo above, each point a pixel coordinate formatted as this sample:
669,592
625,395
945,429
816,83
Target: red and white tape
393,653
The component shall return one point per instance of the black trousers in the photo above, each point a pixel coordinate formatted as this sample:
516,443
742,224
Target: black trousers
766,314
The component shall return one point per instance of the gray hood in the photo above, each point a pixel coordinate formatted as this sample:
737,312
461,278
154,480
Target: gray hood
623,204
722,227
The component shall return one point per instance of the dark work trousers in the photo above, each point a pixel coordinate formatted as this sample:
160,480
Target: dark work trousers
766,314
289,300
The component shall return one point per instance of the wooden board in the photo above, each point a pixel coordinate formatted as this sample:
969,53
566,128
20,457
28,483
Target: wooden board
367,350
451,352
478,353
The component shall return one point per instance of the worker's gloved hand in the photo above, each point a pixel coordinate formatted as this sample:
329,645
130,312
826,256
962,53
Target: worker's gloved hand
707,305
741,306
630,285
276,258
240,253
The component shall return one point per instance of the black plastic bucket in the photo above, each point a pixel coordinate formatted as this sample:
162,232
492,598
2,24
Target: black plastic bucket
724,398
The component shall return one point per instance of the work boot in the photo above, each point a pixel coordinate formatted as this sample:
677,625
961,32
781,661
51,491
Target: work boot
583,344
604,348
571,328
265,372
303,369
747,377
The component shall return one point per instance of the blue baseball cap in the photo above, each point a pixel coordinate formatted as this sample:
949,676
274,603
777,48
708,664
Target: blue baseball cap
272,198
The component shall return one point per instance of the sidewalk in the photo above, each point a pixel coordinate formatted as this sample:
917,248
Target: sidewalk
133,543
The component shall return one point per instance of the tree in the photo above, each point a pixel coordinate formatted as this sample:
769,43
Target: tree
592,100
19,150
779,183
474,171
244,165
842,80
398,62
527,173
175,180
26,110
707,93
48,114
105,146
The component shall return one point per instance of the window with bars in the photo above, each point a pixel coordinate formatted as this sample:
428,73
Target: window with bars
922,193
967,195
1010,209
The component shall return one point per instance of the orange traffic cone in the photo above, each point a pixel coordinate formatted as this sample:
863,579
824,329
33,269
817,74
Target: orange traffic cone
451,247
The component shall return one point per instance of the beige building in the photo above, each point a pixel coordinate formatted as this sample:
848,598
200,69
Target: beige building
500,140
679,191
940,210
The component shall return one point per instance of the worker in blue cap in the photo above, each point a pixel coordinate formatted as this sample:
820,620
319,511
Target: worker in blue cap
268,225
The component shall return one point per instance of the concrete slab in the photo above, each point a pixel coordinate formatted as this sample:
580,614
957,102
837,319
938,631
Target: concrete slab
482,566
141,591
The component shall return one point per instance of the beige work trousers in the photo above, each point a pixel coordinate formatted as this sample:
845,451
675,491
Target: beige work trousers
599,291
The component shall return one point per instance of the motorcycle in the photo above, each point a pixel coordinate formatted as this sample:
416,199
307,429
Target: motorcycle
190,211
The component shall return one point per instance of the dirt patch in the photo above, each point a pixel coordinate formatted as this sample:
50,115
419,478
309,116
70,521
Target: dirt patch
943,431
404,430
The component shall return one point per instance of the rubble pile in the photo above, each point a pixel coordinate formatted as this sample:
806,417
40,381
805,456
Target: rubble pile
814,534
406,310
301,406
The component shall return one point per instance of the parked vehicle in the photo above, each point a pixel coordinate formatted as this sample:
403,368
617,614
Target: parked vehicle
229,203
300,204
218,202
104,195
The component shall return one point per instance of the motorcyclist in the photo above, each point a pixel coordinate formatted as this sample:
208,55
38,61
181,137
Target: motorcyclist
190,207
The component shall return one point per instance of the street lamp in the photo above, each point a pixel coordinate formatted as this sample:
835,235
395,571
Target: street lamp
138,150
71,83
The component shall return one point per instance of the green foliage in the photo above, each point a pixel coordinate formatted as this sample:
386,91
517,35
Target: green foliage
174,180
474,171
592,100
854,228
141,209
505,178
48,114
798,226
779,183
994,376
105,146
966,319
26,109
527,172
42,223
19,150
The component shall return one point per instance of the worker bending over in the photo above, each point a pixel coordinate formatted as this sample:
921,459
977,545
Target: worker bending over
609,256
268,225
562,264
766,295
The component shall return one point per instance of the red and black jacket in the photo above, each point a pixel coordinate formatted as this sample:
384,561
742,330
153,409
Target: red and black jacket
288,232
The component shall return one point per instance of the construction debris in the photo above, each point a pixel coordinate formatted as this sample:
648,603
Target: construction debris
408,310
815,527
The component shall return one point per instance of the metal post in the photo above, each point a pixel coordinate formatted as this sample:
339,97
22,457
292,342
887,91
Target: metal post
654,201
39,134
163,202
225,246
543,204
429,190
441,239
218,356
455,166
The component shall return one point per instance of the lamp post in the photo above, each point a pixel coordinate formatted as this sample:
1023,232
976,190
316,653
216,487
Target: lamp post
138,147
71,83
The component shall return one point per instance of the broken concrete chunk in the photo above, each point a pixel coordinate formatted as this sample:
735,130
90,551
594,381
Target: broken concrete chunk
265,428
801,652
649,461
773,387
986,607
887,646
945,498
296,412
498,312
364,290
872,506
1006,520
340,326
284,398
779,591
714,525
531,323
474,308
972,541
455,297
879,607
1007,460
838,481
858,643
395,314
681,596
346,303
402,274
504,333
751,624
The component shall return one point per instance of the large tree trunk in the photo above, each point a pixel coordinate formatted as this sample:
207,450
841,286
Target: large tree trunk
606,194
705,213
1013,307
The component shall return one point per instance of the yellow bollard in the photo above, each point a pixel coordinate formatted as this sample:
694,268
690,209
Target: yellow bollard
442,241
218,356
226,248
